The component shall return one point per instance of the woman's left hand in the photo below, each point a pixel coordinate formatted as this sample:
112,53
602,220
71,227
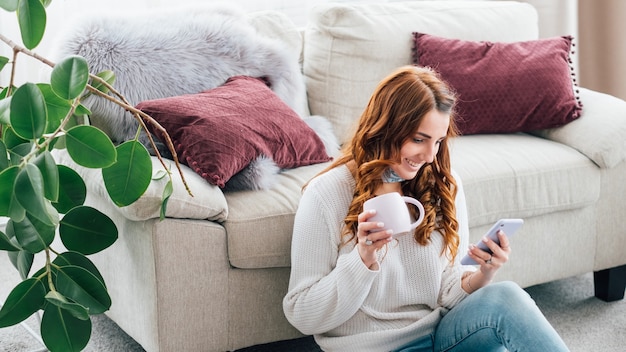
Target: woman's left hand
490,263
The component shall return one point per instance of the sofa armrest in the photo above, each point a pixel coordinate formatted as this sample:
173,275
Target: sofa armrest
207,203
600,132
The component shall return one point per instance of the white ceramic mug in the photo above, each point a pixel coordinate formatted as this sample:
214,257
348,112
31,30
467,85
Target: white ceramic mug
392,211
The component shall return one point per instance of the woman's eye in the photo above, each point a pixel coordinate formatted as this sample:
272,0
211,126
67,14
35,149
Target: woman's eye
417,140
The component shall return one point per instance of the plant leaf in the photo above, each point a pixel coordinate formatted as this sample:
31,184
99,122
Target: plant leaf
9,205
130,176
50,173
5,110
82,287
29,191
18,152
12,140
24,300
77,259
31,16
9,5
72,190
4,159
82,110
6,244
28,111
3,59
167,192
7,181
90,147
22,261
69,77
86,230
61,331
76,310
33,235
57,107
107,76
159,175
16,211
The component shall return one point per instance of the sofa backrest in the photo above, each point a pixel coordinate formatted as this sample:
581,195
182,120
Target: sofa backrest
349,48
278,26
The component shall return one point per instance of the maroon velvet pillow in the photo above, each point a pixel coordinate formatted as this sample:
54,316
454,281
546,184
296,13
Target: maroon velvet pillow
504,87
220,131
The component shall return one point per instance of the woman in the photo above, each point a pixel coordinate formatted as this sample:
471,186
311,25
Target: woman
356,288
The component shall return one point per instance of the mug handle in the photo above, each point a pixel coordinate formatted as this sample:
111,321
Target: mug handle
419,206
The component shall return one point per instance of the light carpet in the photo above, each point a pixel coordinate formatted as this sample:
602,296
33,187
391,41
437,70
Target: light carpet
586,323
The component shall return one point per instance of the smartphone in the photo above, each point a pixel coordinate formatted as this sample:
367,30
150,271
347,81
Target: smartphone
509,226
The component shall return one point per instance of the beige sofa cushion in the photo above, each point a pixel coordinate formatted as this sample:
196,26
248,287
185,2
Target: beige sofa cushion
260,222
520,176
278,26
348,49
600,133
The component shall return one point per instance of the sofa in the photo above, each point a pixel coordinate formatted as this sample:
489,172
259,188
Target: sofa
212,274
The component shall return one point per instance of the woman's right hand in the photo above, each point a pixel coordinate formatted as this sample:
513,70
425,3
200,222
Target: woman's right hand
370,238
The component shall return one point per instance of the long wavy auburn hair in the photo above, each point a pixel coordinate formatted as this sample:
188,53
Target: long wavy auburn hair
392,116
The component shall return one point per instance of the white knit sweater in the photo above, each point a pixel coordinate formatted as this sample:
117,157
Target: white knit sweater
334,296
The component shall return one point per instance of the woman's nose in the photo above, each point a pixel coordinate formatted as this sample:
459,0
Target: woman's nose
431,151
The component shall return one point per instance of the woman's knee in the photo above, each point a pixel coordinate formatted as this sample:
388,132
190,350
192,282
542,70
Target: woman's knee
506,293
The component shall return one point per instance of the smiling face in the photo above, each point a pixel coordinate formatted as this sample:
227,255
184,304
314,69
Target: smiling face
423,145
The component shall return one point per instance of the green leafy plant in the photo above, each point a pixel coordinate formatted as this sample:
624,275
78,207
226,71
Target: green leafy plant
43,199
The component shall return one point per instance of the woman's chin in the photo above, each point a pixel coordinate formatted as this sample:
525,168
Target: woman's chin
408,175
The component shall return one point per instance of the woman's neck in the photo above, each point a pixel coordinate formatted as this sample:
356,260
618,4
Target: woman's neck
388,188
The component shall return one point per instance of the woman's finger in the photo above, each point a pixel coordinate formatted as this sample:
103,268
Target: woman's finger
366,215
504,241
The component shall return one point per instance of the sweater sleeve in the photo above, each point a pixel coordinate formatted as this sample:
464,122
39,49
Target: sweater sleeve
325,288
452,291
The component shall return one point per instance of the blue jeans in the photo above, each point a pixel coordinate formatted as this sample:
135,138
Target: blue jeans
498,317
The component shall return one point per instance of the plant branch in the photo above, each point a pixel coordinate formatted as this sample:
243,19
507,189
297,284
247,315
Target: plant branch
17,48
49,271
12,79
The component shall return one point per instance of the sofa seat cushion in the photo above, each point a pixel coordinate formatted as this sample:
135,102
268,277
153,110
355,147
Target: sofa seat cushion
519,176
260,223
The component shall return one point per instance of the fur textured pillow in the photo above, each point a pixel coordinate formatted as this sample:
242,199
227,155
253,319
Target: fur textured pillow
218,132
505,87
154,54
